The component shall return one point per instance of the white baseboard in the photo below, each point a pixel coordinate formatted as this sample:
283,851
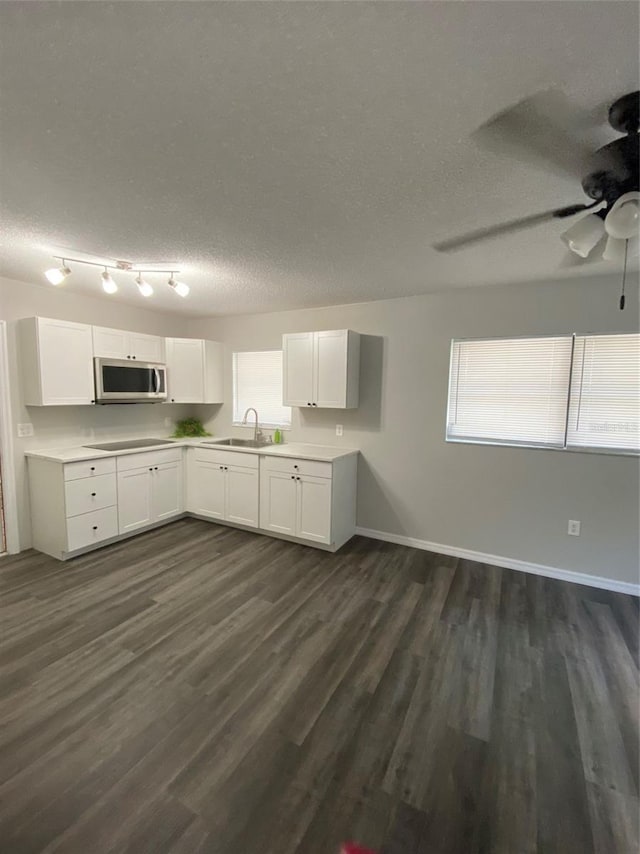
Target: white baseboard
506,562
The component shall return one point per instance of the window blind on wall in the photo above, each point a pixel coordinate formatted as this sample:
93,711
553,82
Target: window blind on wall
509,390
604,408
257,382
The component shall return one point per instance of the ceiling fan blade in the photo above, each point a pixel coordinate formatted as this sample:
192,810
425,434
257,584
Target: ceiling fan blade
543,129
490,231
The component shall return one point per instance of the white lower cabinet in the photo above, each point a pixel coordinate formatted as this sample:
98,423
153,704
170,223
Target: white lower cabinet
80,505
313,518
309,500
223,485
279,502
149,488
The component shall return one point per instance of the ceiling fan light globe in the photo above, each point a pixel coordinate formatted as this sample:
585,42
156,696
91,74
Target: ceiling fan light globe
584,235
623,220
615,249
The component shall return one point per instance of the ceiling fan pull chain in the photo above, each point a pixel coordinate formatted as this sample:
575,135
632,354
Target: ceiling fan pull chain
624,274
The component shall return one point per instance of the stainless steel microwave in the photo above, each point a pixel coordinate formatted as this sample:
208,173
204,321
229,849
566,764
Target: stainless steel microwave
121,381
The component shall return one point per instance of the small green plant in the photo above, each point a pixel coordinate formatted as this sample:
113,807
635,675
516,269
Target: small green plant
189,428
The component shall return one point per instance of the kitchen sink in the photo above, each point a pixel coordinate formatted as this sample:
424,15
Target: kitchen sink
239,443
127,445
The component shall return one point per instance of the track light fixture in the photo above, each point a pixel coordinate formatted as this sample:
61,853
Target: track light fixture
108,285
179,287
144,287
56,275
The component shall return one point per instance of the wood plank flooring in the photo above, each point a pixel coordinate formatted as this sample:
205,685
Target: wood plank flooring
203,690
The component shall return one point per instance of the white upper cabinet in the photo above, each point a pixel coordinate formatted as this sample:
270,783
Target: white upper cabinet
321,369
297,360
120,344
194,371
57,367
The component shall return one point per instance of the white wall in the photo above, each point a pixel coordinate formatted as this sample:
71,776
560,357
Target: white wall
502,501
73,425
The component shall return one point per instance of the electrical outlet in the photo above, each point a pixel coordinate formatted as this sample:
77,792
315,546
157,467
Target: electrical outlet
574,528
339,430
25,430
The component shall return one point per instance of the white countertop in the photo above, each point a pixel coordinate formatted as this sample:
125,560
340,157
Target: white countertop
300,450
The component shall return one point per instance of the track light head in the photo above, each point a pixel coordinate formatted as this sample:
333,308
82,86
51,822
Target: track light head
179,287
108,285
57,275
144,287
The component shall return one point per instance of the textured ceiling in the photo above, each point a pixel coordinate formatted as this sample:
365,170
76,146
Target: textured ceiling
288,154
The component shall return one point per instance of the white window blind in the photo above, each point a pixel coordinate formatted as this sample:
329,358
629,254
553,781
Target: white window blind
604,410
510,391
257,382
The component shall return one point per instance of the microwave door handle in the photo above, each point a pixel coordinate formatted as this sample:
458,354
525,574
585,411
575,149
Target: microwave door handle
156,380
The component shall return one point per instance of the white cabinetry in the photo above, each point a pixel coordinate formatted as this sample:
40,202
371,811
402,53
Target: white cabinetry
223,485
120,344
73,506
56,357
309,500
321,369
150,488
194,371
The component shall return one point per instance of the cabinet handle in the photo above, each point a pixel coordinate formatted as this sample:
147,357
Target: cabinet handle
156,468
314,404
173,400
150,469
293,477
221,468
297,478
93,495
128,357
308,404
133,357
296,468
95,527
93,468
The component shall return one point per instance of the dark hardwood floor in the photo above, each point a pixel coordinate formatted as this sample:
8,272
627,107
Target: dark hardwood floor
202,689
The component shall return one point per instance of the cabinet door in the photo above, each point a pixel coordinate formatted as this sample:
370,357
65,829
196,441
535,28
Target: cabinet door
110,343
166,490
147,348
314,509
185,370
278,502
330,362
242,496
66,364
134,499
298,369
206,489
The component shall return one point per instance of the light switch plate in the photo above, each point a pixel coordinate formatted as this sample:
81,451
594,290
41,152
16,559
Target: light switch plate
574,528
25,430
339,430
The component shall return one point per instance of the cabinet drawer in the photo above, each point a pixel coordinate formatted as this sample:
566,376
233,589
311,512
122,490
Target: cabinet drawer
90,493
292,465
91,528
226,458
127,462
89,468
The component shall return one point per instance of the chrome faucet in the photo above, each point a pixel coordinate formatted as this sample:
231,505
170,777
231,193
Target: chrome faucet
257,432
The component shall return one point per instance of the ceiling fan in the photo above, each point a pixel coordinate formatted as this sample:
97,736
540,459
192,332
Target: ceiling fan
543,127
